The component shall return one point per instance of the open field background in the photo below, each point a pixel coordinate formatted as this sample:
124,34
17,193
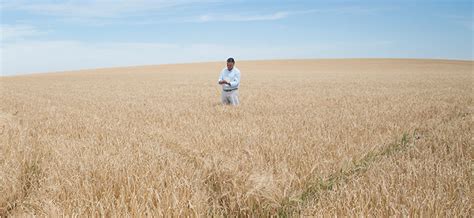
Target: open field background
311,137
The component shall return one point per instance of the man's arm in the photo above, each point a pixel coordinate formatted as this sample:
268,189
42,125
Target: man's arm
235,82
221,78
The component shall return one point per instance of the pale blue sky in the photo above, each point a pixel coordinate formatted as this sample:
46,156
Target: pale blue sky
53,35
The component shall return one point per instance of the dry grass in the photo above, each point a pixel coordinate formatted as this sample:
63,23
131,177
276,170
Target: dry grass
312,137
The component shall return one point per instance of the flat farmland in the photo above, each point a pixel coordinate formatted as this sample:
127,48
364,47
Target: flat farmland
342,137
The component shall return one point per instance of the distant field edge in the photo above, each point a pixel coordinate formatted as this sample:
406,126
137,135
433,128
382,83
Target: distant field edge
290,60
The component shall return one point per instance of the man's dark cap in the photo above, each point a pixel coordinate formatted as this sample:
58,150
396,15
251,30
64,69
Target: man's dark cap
230,60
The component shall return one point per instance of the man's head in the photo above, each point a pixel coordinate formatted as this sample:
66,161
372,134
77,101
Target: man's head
230,63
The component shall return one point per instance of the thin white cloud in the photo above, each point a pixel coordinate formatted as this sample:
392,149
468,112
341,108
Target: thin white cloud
244,17
102,12
95,8
16,32
354,10
238,18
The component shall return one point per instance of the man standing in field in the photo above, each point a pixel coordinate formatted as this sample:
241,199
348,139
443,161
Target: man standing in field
230,81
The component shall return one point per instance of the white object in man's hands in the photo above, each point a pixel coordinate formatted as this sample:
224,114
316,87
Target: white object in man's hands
227,79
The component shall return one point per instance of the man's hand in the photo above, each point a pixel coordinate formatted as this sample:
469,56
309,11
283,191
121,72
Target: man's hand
223,82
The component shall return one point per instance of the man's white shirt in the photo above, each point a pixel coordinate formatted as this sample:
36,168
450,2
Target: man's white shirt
233,77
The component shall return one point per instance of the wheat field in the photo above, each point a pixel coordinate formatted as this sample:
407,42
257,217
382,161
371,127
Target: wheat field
347,137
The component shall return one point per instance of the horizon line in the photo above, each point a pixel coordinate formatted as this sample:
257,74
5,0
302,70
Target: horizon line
243,60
